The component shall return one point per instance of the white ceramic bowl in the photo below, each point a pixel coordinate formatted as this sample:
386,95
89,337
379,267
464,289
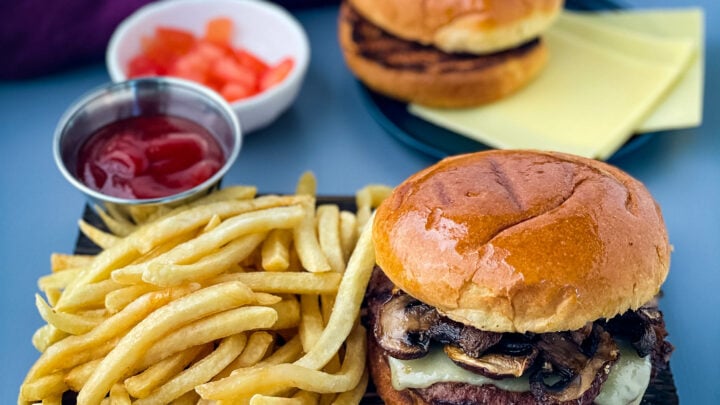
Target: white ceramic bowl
263,28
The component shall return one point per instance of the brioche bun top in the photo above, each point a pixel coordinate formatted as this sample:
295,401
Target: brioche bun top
518,241
473,26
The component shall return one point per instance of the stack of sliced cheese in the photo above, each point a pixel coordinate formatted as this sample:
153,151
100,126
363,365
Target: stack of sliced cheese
610,75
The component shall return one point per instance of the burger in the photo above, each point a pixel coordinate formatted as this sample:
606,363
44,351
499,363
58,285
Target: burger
445,53
517,277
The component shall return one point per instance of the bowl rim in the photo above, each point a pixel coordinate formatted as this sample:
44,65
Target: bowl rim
117,73
159,81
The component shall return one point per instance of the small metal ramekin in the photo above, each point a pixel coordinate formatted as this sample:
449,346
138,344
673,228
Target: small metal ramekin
143,97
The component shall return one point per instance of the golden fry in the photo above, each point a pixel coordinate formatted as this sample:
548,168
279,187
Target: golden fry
141,385
306,242
347,304
287,282
78,375
328,217
119,395
311,322
66,322
47,335
166,275
209,329
46,386
348,233
99,237
131,347
307,184
275,251
58,280
61,261
281,376
118,299
258,344
200,372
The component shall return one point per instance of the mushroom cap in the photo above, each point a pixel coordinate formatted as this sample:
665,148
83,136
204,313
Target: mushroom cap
518,241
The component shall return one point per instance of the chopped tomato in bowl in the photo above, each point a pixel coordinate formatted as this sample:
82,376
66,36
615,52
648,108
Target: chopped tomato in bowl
209,59
253,53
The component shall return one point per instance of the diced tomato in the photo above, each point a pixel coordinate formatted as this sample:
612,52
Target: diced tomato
219,30
235,91
179,41
191,67
230,71
210,60
253,62
276,74
141,65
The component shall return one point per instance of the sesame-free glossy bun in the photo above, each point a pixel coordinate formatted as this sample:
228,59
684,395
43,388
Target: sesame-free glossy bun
410,72
516,241
478,26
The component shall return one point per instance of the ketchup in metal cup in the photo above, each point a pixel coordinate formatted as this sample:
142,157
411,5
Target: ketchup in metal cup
149,157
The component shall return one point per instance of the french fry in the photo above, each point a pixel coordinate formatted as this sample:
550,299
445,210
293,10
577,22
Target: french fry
142,384
47,335
306,242
66,322
311,322
328,217
288,311
198,216
119,395
117,256
367,198
307,184
214,221
243,224
258,344
275,251
355,395
53,295
74,350
348,232
188,398
43,387
96,235
280,376
209,329
130,348
58,280
114,220
87,296
347,304
60,261
259,399
166,275
200,372
52,400
286,282
118,299
78,375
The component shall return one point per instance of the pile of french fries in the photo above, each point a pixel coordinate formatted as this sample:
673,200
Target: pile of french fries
231,299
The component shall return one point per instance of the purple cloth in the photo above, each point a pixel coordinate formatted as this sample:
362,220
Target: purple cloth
38,37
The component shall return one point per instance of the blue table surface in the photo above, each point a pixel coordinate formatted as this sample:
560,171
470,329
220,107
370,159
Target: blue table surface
329,131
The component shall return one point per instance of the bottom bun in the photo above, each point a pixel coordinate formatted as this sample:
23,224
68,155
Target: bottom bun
411,72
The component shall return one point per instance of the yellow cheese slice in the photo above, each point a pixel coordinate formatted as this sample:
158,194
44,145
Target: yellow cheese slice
600,84
682,108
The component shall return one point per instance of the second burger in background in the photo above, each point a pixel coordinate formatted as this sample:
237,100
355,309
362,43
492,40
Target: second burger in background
445,53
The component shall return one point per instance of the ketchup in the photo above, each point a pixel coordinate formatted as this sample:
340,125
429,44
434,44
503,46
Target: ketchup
148,157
